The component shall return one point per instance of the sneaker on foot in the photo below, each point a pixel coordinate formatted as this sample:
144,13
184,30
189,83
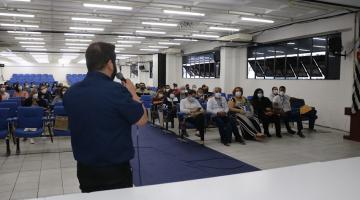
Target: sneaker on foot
32,141
301,134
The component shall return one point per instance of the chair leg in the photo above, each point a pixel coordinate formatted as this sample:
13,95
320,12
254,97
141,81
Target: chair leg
17,145
8,152
51,134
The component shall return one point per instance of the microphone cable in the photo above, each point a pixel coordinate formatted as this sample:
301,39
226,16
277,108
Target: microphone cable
138,154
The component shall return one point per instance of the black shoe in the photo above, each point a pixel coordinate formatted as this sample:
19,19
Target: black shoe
278,135
240,140
291,132
301,134
226,144
184,133
268,134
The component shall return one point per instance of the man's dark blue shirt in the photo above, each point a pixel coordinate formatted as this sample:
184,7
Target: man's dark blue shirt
101,113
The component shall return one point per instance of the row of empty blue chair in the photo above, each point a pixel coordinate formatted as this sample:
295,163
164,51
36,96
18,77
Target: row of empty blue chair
74,78
35,78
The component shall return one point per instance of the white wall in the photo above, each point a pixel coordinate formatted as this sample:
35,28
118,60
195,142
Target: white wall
59,73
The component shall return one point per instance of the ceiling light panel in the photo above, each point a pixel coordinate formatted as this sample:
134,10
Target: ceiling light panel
90,19
105,6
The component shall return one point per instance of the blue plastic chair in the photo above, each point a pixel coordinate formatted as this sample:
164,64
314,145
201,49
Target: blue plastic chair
12,106
28,117
4,128
60,111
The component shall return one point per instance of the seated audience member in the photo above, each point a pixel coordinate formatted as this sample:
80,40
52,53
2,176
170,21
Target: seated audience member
274,93
218,107
33,99
170,102
142,90
281,104
194,87
157,103
183,93
19,92
3,93
207,94
176,89
194,114
44,97
7,86
187,87
264,111
59,96
200,95
243,112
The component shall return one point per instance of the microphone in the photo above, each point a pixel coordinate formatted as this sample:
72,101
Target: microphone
120,76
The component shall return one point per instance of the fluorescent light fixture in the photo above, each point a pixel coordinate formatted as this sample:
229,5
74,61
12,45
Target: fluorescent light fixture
259,53
25,32
83,61
86,29
123,45
149,49
16,15
22,0
184,39
317,46
176,12
158,47
223,28
41,43
301,49
77,40
79,34
76,44
291,43
36,49
91,5
241,13
70,50
151,32
159,24
257,20
205,36
123,57
129,55
21,25
128,42
90,19
119,49
28,38
134,37
169,43
77,47
32,46
318,38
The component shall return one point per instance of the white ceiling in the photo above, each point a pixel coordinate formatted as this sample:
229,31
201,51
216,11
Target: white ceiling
54,19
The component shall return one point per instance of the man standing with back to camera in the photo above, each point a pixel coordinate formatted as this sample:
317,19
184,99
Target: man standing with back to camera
101,113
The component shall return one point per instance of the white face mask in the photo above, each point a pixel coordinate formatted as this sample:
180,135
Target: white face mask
2,89
275,92
35,96
63,92
191,98
217,95
20,88
172,96
238,94
282,93
260,95
167,90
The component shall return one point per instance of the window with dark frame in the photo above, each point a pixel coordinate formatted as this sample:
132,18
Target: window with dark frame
301,59
201,65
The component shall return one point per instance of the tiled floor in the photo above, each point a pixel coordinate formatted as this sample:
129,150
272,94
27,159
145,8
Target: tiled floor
48,168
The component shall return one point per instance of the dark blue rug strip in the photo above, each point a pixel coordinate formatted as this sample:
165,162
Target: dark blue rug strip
165,159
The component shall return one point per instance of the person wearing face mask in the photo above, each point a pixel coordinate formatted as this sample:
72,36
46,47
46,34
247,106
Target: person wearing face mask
274,93
4,95
207,94
218,107
200,95
264,111
19,92
59,96
101,113
242,110
170,102
142,90
44,97
183,92
156,109
282,104
194,114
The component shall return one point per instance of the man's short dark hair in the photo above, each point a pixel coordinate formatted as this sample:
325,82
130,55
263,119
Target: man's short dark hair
98,54
191,92
282,88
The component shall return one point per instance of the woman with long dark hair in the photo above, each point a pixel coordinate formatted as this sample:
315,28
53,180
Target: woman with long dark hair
264,111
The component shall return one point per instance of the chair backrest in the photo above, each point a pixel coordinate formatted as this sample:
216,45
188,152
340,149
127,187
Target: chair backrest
59,111
12,107
17,101
146,98
30,117
58,104
4,115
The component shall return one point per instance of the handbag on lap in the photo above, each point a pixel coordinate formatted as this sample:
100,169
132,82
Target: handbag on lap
61,123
